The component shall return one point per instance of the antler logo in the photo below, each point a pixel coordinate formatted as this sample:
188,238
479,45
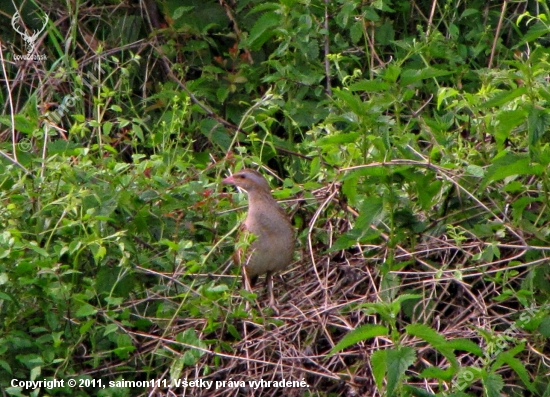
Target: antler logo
29,40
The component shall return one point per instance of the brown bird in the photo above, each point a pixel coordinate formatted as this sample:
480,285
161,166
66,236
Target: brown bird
273,247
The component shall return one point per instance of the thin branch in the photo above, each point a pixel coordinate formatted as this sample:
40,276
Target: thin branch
497,33
12,117
327,50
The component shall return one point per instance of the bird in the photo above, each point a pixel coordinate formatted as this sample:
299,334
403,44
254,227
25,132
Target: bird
273,247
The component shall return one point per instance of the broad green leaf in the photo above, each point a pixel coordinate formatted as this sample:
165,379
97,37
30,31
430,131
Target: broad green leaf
6,367
445,93
371,209
475,170
405,297
354,102
379,363
369,86
35,372
338,139
538,121
85,309
435,339
22,123
410,76
177,367
391,73
349,189
384,34
537,30
262,30
426,333
438,373
178,12
356,32
469,12
518,366
544,327
359,334
504,97
370,14
507,121
346,12
85,327
466,345
508,165
398,361
492,384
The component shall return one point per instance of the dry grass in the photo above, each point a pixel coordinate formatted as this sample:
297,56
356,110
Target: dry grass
319,302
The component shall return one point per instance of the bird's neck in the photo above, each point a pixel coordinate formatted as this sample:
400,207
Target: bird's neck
265,217
260,200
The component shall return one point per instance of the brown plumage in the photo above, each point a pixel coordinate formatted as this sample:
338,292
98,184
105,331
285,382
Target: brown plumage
273,247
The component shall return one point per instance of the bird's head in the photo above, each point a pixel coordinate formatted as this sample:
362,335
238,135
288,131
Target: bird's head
249,180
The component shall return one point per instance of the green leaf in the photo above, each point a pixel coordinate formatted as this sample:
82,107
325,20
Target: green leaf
178,12
371,209
35,372
466,345
492,384
507,121
344,15
5,366
426,333
469,12
338,139
438,373
86,326
435,339
405,297
85,309
136,129
398,361
379,363
359,334
177,367
504,97
109,329
410,76
475,170
538,121
356,32
544,327
32,245
354,102
22,124
445,93
539,29
516,365
261,31
391,73
508,165
384,34
369,86
349,189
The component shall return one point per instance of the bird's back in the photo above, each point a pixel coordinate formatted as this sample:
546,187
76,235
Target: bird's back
274,246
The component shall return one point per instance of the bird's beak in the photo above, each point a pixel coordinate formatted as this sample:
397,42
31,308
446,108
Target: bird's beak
229,180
